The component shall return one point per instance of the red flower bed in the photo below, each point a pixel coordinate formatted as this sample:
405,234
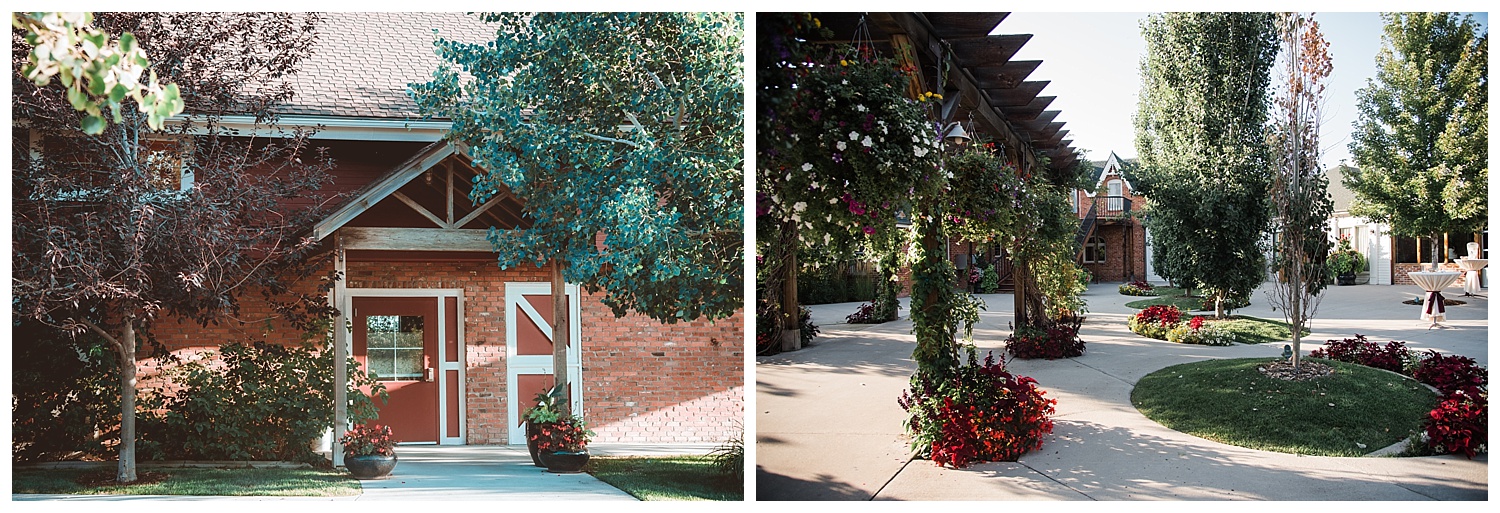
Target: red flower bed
1392,357
980,413
1059,341
1460,423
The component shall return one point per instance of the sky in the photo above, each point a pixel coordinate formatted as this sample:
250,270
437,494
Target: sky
1093,63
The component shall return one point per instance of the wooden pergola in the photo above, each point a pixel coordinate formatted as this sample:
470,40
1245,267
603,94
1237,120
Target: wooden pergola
991,87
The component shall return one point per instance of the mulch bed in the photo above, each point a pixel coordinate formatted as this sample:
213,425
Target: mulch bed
107,478
1446,302
1282,369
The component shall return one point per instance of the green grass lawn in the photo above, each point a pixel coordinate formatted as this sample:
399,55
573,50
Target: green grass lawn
188,481
1169,296
675,478
1255,330
1229,401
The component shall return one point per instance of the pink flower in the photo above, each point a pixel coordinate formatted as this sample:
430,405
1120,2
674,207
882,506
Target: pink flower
869,230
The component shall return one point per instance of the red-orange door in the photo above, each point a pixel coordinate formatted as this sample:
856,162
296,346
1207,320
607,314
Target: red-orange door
396,339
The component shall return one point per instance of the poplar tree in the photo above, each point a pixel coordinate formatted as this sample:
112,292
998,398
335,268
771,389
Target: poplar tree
1200,134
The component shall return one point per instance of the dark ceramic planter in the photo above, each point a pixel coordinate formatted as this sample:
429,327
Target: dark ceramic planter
531,431
1346,279
370,466
565,462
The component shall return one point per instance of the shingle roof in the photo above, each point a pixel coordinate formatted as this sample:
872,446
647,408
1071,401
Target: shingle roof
1342,196
362,62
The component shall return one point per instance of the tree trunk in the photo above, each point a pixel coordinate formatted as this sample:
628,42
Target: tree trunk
1437,253
791,311
1295,312
560,333
126,470
1019,277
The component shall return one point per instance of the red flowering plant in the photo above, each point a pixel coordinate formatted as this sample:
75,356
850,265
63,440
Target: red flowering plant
571,434
1459,424
979,412
1155,321
1138,288
1394,356
1057,341
363,440
1451,374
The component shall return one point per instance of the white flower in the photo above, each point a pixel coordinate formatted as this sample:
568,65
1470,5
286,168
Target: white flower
841,146
799,206
826,238
788,177
920,151
846,82
861,108
807,166
867,142
854,136
815,184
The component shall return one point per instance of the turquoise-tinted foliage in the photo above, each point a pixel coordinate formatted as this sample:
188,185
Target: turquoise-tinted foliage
627,126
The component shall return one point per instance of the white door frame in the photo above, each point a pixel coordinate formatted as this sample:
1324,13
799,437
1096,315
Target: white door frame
537,364
442,357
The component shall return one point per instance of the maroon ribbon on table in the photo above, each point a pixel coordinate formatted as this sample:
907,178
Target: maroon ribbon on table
1435,298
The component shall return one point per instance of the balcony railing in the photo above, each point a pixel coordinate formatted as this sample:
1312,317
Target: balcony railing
1111,207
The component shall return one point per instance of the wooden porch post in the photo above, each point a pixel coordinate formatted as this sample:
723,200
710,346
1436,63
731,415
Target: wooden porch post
560,334
340,350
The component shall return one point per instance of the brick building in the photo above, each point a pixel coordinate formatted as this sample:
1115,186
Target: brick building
462,345
1112,241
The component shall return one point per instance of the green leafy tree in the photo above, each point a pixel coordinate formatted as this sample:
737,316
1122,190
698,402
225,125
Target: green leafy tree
1421,140
105,239
96,72
1299,190
1200,134
623,133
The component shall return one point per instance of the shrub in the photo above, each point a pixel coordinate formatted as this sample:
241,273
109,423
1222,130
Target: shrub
729,459
990,283
1058,341
871,313
1155,321
1451,373
1138,288
265,402
980,413
1197,331
65,398
1459,424
1394,356
807,330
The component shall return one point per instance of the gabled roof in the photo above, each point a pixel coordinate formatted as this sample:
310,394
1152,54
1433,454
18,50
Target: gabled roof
382,188
363,61
1115,164
1342,197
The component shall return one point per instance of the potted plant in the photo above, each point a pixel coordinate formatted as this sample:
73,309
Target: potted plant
1344,262
545,413
563,445
369,452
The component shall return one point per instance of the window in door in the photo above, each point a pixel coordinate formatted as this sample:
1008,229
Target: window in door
394,347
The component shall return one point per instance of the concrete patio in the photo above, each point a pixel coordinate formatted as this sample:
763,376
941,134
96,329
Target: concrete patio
829,428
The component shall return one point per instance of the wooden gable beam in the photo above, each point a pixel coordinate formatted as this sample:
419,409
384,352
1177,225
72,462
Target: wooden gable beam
387,185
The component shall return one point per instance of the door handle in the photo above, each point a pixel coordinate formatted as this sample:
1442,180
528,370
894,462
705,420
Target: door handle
428,376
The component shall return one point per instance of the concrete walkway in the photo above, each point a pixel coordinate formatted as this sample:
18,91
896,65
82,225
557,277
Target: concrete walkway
460,473
828,426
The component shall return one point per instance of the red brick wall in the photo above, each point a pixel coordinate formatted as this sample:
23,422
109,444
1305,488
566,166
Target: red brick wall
643,381
1399,277
1113,268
